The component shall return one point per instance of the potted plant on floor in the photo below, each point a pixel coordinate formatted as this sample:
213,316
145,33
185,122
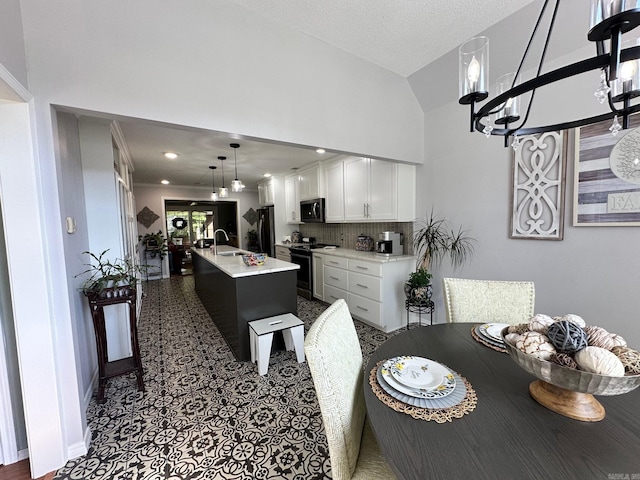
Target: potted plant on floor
110,278
155,244
433,241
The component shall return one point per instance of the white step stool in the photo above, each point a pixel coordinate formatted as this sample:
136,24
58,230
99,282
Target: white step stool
261,336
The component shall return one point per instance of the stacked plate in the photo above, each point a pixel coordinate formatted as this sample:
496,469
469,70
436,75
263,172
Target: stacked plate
421,382
491,333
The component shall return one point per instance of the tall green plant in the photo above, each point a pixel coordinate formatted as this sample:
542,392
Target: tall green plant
436,239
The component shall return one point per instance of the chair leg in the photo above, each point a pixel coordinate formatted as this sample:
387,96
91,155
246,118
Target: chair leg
296,340
252,344
264,351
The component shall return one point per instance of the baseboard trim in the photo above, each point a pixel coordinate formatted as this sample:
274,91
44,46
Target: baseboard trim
80,448
23,454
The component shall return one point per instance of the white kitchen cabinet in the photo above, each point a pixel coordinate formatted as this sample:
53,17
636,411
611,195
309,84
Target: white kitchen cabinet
266,192
311,182
371,190
334,182
283,253
374,291
292,199
317,261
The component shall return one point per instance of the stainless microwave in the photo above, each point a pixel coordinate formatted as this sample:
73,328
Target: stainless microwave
312,211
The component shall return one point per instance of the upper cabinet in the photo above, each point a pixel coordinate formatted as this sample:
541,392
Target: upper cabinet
334,180
364,189
311,182
292,199
266,192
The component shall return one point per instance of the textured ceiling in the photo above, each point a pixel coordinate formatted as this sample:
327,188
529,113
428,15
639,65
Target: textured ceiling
401,36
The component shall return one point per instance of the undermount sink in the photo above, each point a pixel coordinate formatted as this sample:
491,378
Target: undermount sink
230,254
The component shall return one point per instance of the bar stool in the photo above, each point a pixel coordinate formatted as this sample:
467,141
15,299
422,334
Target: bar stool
261,336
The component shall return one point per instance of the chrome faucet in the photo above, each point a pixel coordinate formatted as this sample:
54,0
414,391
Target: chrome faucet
215,244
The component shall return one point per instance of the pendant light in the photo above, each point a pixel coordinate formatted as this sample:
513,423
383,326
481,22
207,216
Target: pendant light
214,195
236,185
223,192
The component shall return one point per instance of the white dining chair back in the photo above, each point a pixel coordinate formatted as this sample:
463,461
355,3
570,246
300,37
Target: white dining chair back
335,359
484,301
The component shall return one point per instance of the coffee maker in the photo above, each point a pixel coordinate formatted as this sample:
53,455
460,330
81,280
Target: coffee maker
389,244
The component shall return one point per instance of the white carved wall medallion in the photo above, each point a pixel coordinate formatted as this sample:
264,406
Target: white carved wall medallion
539,168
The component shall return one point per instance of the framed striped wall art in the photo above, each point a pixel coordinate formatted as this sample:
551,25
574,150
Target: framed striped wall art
607,176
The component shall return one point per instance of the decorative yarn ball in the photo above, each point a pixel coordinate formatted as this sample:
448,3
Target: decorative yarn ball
567,336
564,360
617,340
598,337
540,322
519,328
599,360
630,359
573,318
512,338
536,344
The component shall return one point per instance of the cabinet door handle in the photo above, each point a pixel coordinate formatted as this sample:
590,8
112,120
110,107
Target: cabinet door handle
335,298
362,308
334,278
361,268
333,262
361,286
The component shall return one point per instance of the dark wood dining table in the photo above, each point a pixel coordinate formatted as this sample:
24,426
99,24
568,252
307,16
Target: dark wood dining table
508,435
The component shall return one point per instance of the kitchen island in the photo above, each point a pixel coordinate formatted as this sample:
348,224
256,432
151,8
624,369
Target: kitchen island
234,294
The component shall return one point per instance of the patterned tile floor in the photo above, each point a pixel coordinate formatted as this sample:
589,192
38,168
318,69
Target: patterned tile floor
204,415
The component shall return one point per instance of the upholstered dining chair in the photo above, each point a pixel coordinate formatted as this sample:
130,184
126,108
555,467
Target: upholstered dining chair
486,301
335,360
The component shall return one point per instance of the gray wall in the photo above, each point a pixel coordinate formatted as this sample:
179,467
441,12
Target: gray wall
12,53
594,272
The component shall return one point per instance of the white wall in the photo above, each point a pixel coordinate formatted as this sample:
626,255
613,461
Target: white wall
12,54
592,272
213,64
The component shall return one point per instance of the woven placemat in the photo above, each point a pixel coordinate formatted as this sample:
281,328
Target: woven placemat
479,339
439,415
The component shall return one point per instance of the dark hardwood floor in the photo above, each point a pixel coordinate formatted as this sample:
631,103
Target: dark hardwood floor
20,471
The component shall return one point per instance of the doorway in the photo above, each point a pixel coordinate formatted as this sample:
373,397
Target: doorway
191,223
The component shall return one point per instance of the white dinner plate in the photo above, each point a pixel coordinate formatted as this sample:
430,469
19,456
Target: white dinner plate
494,330
455,397
446,388
486,338
418,372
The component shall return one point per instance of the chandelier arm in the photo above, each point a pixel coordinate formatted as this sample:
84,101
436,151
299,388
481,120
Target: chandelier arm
533,34
577,68
542,57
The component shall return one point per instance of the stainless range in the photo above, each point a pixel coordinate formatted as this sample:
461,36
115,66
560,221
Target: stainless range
301,255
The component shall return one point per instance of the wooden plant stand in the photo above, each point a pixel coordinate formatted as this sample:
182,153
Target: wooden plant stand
107,369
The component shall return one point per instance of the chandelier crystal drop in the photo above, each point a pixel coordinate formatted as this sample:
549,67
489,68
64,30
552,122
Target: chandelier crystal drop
617,60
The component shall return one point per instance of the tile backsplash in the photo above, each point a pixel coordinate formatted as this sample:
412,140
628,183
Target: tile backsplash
345,234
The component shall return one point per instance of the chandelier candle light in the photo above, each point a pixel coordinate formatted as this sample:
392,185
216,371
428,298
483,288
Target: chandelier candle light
619,77
223,192
236,185
214,195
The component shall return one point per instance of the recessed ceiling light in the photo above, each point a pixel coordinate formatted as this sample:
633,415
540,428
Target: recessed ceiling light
320,150
266,175
171,155
164,182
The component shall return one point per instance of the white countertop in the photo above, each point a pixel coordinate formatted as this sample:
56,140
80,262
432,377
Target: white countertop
369,256
235,267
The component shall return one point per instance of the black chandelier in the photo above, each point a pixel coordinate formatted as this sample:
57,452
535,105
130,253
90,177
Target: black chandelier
619,77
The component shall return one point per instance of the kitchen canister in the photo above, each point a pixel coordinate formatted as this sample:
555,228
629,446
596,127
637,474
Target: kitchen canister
364,243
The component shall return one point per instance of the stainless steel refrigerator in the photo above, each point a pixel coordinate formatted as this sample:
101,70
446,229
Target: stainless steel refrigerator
266,231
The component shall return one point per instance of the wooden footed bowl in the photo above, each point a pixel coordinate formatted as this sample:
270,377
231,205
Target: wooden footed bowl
568,391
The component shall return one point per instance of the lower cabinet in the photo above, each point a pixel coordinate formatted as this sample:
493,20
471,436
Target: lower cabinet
283,253
317,261
374,291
